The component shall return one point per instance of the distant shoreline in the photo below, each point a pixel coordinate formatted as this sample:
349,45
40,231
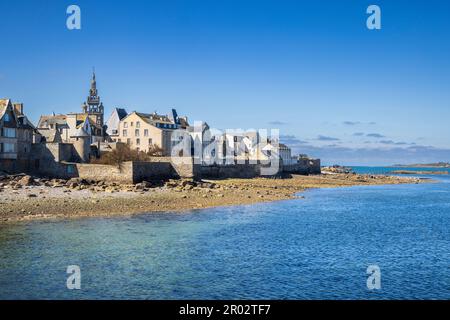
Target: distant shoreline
430,166
442,172
50,202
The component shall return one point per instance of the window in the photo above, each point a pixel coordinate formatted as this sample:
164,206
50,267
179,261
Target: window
115,131
138,141
136,133
146,133
131,123
8,147
7,117
124,133
9,132
150,142
70,169
119,140
138,124
128,141
125,124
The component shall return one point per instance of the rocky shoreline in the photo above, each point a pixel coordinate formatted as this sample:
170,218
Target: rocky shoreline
24,198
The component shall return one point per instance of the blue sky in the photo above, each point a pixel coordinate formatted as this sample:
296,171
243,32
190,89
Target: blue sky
335,89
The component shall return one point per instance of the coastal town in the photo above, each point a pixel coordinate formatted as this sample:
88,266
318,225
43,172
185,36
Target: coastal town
60,144
80,163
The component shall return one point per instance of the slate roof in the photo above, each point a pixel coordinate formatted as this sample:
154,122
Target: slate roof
45,121
122,113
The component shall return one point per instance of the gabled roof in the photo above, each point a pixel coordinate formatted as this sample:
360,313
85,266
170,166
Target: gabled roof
151,118
3,106
81,122
24,123
80,132
60,119
154,117
50,135
121,113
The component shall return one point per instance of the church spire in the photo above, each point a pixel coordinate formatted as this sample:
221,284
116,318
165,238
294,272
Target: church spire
93,101
93,90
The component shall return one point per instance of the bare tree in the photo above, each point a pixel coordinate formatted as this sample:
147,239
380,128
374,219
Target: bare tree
123,153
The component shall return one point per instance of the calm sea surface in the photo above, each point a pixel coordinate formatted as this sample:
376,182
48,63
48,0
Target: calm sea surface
313,248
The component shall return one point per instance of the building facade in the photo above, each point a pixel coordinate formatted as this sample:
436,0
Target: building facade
17,133
148,131
144,132
112,124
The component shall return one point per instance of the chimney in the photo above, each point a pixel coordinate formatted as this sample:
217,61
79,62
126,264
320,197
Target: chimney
18,108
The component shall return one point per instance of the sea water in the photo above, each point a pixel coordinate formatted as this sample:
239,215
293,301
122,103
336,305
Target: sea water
319,247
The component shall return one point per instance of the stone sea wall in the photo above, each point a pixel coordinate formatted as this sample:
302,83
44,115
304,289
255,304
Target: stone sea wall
230,171
159,168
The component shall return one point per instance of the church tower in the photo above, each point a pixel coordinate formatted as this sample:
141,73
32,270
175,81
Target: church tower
94,106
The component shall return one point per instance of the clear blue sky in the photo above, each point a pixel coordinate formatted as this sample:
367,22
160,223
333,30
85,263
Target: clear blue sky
335,89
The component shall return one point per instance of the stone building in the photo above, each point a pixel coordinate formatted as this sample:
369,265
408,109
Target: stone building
91,119
17,134
145,131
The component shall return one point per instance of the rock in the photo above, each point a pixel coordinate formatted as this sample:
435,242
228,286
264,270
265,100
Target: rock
31,195
146,184
142,186
171,184
186,182
78,181
111,189
26,181
72,185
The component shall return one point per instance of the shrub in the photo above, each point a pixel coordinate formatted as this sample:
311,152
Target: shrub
123,153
